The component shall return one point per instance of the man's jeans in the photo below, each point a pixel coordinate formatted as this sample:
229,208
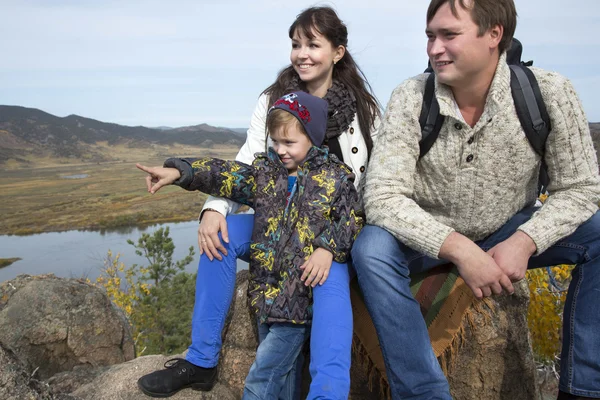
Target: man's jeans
272,374
331,338
383,265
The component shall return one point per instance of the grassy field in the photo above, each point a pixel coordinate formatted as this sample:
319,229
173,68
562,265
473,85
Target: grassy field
38,198
5,262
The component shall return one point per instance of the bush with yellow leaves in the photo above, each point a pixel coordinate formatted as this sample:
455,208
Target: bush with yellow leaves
157,299
546,304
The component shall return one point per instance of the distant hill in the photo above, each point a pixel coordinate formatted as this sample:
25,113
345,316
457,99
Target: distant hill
29,130
240,131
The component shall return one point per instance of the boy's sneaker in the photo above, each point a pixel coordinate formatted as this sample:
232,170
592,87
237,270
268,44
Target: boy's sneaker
178,374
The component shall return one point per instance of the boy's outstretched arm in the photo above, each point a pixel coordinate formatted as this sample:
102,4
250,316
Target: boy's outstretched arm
230,179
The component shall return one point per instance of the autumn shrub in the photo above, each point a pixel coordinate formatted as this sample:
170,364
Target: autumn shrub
548,293
157,298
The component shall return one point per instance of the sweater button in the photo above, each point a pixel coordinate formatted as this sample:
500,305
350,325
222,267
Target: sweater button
355,150
470,141
351,130
362,169
470,158
458,126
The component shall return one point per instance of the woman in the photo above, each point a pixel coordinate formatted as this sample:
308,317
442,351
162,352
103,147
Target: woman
322,66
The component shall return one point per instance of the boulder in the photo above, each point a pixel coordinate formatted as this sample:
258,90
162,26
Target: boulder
54,324
237,355
16,382
120,382
70,331
495,359
240,339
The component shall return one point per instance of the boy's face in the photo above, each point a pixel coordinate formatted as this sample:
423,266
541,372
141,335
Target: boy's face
457,53
292,146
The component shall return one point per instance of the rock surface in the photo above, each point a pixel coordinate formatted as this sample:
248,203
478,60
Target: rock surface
495,360
120,382
17,384
55,324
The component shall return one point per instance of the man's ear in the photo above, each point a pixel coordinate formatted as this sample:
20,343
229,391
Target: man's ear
495,35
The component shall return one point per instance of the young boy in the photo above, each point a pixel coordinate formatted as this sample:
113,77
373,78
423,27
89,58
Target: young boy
307,214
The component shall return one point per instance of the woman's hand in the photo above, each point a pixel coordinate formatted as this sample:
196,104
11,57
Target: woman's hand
211,224
316,268
159,176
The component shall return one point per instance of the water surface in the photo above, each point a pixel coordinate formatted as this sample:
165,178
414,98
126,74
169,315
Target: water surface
80,254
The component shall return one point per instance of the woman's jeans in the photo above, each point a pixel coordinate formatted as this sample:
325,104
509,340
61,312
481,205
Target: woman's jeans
383,265
331,331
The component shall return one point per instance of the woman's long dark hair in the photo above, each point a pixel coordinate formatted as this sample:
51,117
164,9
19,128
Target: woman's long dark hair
325,21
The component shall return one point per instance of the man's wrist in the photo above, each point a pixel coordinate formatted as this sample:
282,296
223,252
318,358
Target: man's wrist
526,241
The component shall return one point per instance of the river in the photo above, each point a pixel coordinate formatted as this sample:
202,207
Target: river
80,254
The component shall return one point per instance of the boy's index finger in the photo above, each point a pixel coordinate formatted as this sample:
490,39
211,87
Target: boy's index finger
143,168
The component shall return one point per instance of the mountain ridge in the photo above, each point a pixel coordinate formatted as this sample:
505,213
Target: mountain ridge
31,131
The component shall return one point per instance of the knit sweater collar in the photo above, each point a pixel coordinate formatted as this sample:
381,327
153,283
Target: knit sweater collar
497,99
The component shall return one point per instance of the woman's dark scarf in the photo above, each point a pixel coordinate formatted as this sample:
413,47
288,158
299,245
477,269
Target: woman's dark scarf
342,109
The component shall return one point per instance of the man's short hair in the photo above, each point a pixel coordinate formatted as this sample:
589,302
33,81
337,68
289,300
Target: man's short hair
486,14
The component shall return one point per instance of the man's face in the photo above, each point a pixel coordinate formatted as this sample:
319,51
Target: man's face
457,54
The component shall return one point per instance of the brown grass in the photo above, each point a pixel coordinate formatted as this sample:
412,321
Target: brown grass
36,198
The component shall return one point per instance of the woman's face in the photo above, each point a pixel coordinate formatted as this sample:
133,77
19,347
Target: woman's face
313,59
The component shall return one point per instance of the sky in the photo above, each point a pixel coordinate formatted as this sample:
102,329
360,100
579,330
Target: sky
185,62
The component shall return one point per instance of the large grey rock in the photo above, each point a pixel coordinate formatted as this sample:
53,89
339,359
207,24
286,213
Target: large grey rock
54,324
16,383
240,339
238,352
495,361
70,381
120,382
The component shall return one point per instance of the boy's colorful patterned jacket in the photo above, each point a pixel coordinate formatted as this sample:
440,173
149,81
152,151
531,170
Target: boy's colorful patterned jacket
324,211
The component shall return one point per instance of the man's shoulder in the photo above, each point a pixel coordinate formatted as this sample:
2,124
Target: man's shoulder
552,84
408,95
413,85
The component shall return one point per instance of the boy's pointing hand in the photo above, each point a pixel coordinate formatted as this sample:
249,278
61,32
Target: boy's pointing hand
159,176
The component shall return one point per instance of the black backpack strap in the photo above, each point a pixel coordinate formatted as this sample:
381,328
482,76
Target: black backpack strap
532,113
430,119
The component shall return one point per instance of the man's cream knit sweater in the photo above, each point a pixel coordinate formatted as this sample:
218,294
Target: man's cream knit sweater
474,179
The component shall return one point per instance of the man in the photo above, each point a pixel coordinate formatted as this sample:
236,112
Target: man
470,199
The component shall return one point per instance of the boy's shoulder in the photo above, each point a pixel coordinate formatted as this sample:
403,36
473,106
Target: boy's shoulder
338,168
